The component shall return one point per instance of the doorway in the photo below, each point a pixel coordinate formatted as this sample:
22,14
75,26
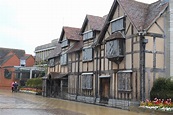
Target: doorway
104,90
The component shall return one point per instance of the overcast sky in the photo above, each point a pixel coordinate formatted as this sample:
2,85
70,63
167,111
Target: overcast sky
26,24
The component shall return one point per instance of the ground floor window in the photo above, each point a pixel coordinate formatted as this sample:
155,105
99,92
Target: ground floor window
87,84
124,81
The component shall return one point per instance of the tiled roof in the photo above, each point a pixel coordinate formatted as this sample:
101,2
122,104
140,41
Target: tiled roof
5,51
141,14
95,22
55,52
154,11
6,58
76,47
71,33
26,56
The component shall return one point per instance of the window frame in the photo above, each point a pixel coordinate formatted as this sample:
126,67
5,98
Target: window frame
84,53
117,23
52,62
64,43
87,81
119,49
64,62
124,81
87,34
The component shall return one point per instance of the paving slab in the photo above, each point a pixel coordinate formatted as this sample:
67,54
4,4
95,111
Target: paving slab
28,104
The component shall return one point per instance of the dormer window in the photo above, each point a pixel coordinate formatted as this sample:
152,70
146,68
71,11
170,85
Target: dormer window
87,54
22,62
64,59
88,35
64,43
118,24
51,63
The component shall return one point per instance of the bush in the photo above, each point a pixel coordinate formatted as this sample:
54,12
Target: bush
34,82
162,89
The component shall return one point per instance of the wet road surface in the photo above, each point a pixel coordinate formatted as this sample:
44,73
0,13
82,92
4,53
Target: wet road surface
28,104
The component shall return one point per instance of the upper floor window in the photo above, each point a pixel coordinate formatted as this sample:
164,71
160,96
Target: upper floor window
88,35
87,54
64,43
117,24
22,62
51,62
114,48
64,59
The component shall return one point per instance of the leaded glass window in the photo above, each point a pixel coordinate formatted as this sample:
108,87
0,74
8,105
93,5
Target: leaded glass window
64,59
88,35
124,81
117,25
64,43
87,81
87,54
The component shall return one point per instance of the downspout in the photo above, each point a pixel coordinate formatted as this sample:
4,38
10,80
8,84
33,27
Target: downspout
143,43
77,85
96,76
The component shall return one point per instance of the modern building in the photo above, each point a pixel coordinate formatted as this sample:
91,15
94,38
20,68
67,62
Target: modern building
42,52
9,59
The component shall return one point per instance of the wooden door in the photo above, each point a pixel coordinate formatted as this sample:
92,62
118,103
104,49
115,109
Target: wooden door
104,89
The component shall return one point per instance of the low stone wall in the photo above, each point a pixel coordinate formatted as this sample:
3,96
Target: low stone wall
122,104
71,97
86,99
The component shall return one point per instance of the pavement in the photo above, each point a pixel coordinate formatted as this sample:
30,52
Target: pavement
29,104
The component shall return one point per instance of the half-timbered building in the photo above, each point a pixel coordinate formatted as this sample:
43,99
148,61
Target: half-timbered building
53,72
131,45
90,30
118,57
63,67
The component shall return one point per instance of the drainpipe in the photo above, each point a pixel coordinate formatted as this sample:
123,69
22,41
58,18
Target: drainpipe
77,85
96,76
143,43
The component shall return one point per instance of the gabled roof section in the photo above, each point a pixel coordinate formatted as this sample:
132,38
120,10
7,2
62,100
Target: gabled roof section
76,47
56,52
154,11
95,22
136,12
5,59
26,56
141,15
5,51
71,33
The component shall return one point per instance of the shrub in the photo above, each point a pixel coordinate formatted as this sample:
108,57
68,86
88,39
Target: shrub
162,88
34,82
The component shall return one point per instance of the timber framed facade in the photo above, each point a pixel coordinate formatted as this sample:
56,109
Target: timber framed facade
113,60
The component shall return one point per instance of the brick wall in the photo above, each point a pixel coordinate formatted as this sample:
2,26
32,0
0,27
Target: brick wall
30,61
4,82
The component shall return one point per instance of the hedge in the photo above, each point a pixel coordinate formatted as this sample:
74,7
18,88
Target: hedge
34,82
162,89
